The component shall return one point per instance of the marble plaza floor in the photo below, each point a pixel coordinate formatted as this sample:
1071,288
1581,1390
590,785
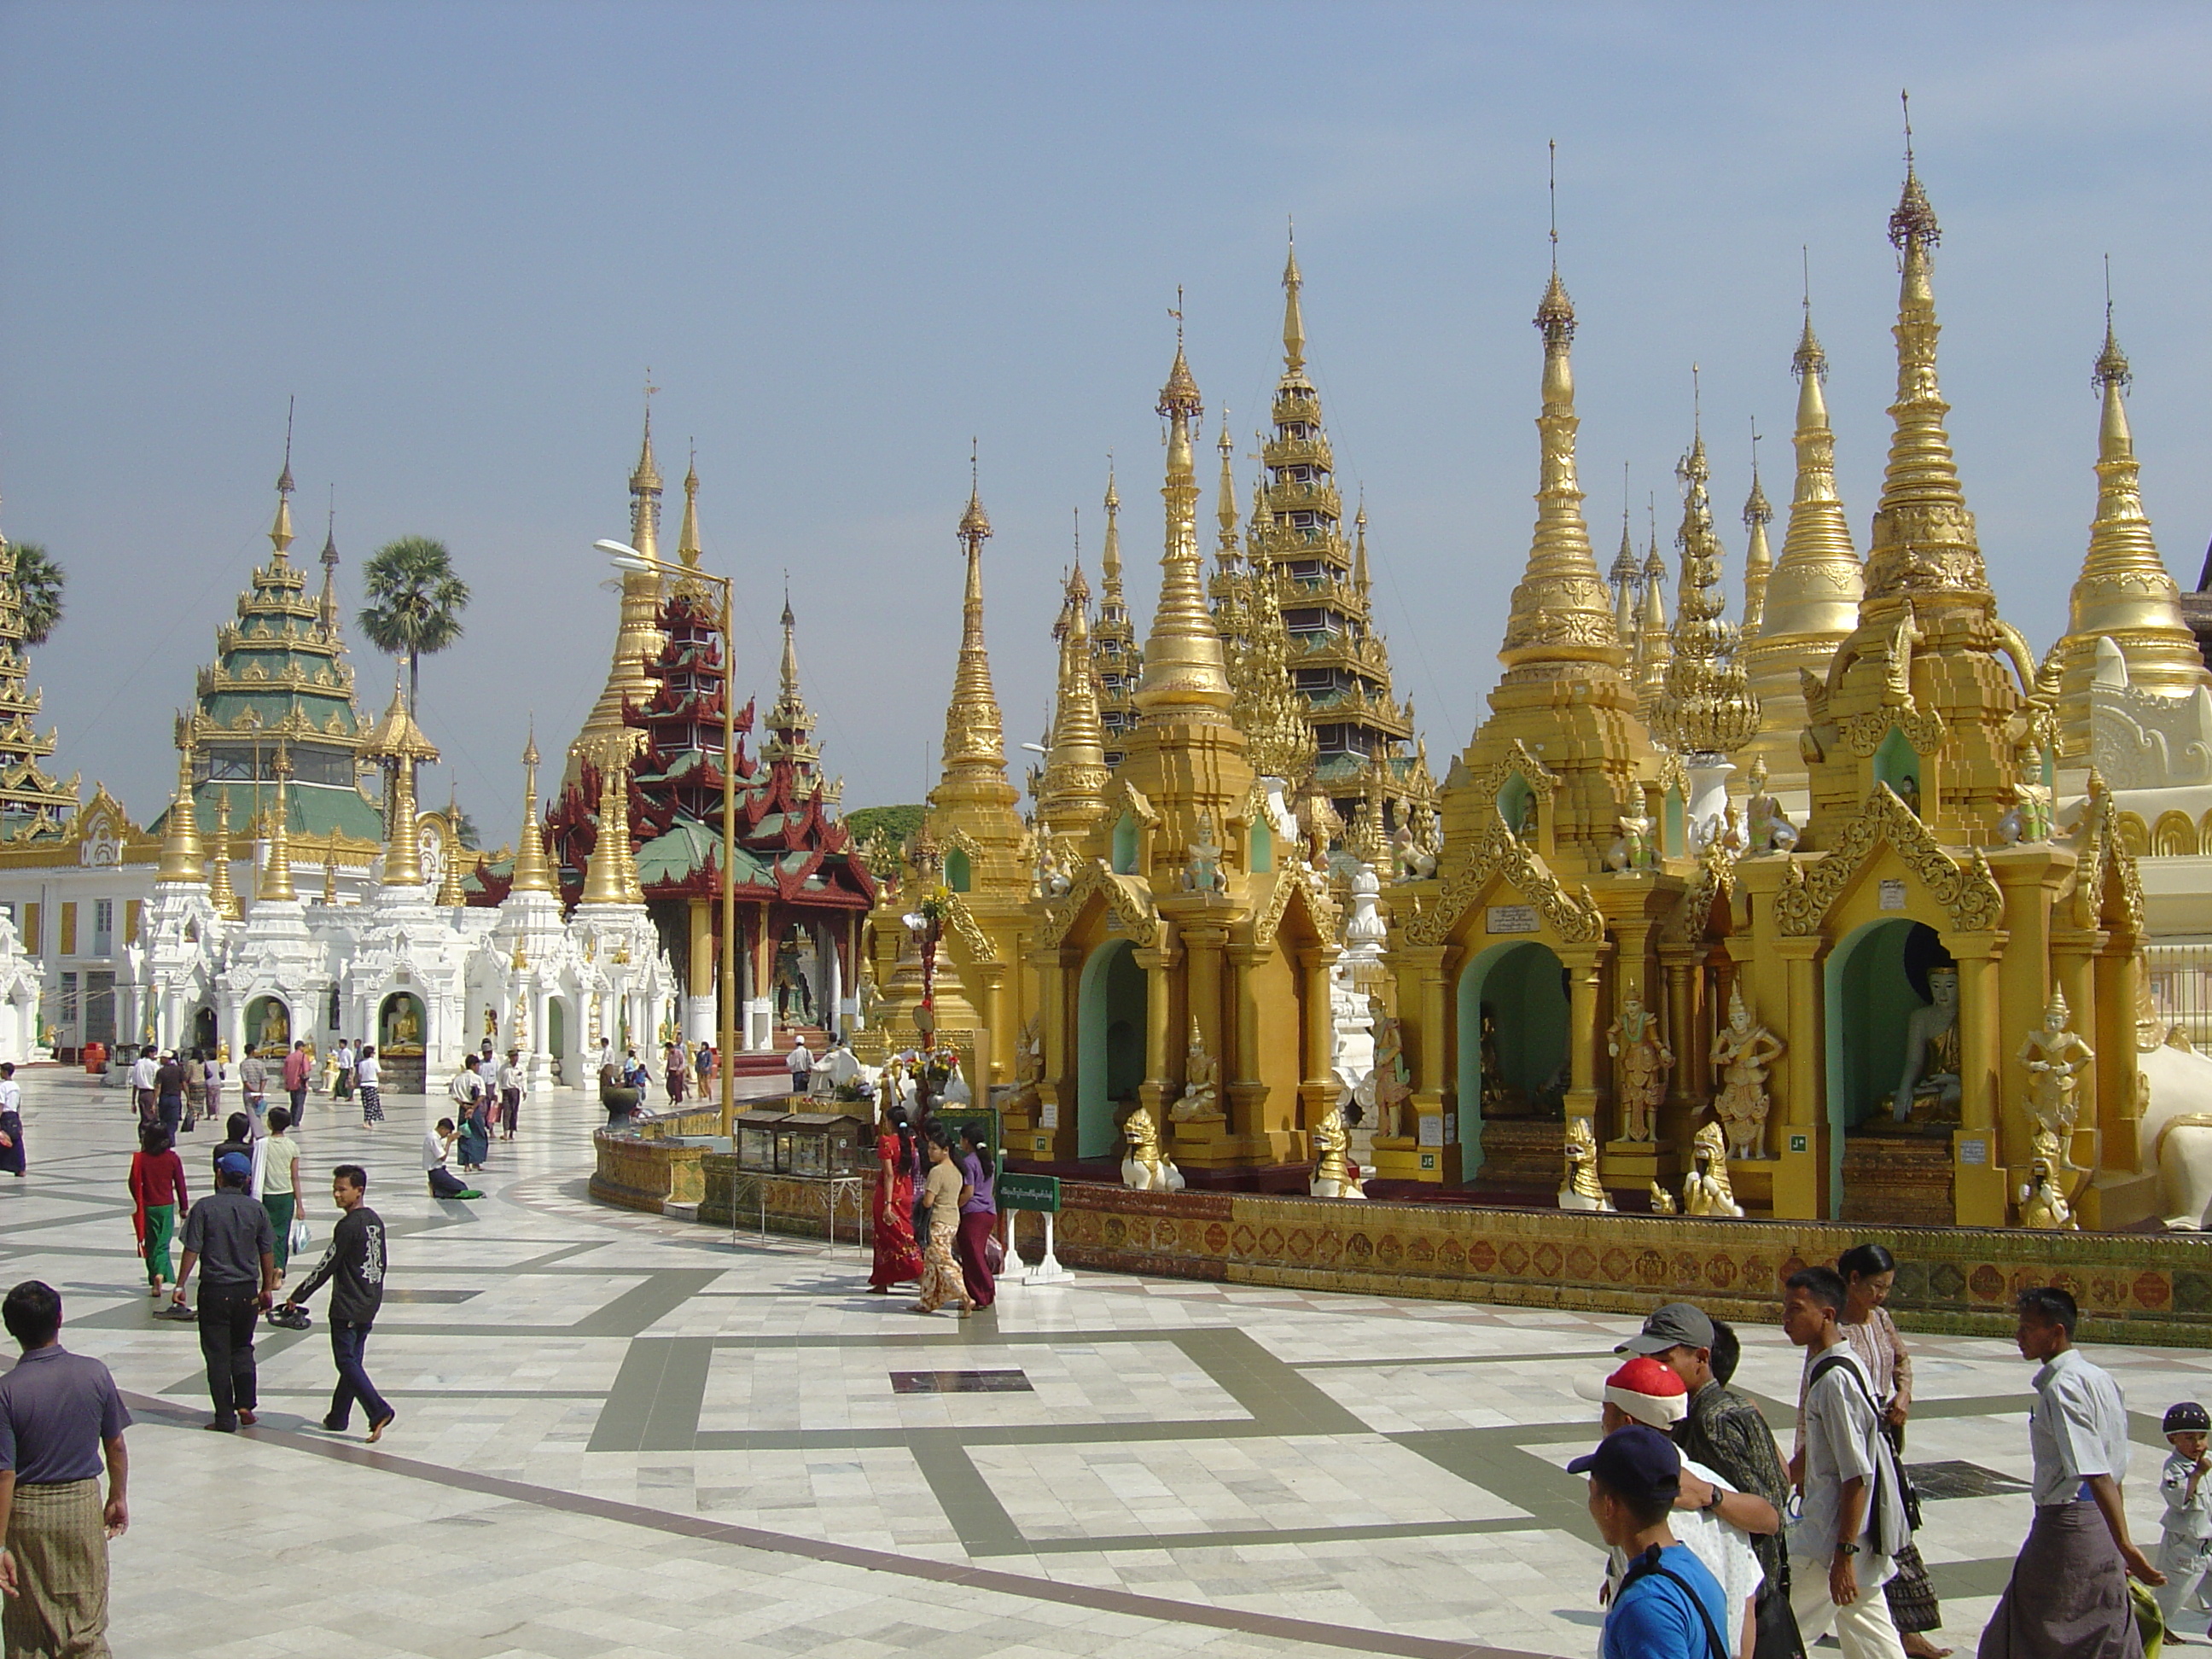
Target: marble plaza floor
624,1436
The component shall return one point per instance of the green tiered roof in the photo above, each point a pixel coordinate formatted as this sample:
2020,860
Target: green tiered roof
281,676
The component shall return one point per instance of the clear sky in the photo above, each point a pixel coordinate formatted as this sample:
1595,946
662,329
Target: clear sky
845,239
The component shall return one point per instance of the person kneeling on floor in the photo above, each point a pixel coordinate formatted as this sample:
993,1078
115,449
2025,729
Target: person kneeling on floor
437,1146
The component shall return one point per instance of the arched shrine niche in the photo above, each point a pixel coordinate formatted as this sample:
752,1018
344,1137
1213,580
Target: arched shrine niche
1111,1006
1512,1039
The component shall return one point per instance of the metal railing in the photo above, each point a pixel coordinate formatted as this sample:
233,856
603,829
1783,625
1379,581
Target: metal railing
2181,986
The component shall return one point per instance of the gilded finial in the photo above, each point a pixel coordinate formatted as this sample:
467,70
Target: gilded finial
1756,508
1758,561
1704,706
1185,677
277,869
221,893
1913,224
532,874
450,894
1225,503
610,872
2111,368
645,487
975,740
687,537
280,531
974,522
1294,321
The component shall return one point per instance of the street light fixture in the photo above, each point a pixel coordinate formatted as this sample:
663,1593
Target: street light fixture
628,558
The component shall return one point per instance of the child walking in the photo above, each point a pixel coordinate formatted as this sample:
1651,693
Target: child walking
2184,1549
157,1200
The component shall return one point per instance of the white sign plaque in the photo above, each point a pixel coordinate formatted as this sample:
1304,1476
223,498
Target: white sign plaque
1432,1132
1510,919
1892,895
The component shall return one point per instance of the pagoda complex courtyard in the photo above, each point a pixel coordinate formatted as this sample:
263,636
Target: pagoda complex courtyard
1357,1083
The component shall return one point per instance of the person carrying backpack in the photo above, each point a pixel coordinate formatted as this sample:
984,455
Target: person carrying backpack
1668,1605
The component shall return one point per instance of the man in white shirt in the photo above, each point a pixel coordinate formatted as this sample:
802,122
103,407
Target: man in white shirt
142,1071
1709,1518
444,1183
1853,1521
800,1062
511,1086
2069,1594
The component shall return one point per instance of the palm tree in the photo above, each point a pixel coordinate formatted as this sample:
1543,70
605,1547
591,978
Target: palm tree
39,579
416,602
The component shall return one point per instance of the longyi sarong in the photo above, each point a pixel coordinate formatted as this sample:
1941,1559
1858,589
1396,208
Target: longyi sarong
2069,1594
60,1547
940,1275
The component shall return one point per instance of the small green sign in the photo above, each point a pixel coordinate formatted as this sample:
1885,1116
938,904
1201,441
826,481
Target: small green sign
1029,1191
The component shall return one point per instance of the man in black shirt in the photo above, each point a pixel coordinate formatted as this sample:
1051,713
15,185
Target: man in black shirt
237,1137
169,1092
354,1265
230,1234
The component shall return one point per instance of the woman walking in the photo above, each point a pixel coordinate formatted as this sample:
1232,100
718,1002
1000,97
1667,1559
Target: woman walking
940,1275
1868,1271
678,1071
195,1089
158,1200
366,1072
979,1215
275,1180
897,1257
11,1122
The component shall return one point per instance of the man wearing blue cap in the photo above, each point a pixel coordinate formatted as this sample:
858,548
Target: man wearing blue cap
1668,1605
230,1234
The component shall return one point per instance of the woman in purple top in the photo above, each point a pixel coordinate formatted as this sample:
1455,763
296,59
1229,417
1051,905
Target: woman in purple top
978,1216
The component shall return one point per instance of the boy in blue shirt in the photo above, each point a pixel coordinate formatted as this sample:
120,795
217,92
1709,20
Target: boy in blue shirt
1668,1607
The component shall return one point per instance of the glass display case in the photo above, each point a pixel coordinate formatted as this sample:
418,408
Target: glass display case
806,1144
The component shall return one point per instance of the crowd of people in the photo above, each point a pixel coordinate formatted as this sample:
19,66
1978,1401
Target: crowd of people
936,1211
1720,1551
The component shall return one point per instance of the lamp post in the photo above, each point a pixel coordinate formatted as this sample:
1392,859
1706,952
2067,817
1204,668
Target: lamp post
627,557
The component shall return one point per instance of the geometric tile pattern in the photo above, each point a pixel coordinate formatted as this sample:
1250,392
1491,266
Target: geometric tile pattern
623,1435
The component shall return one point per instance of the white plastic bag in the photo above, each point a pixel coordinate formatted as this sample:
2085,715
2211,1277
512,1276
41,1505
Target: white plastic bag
297,1240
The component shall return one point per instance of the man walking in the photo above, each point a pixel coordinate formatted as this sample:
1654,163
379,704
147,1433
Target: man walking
60,1419
1724,1430
230,1233
253,1079
1854,1513
169,1093
353,1266
1668,1605
298,1068
800,1062
2068,1593
143,1070
511,1082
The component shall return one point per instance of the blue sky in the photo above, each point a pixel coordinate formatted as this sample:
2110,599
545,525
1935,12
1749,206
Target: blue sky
846,238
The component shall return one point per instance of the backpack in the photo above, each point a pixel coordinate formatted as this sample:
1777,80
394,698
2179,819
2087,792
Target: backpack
1885,1460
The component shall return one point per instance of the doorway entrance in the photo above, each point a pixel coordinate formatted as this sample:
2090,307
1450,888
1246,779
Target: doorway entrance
1109,1049
1512,1039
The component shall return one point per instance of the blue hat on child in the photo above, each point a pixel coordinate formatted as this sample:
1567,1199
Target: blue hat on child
236,1163
1637,1461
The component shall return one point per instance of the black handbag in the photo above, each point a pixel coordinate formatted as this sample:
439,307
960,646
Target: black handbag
1894,1433
1774,1622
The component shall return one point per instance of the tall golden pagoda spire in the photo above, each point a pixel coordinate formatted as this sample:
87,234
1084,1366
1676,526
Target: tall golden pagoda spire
276,870
1119,659
1230,587
790,725
1185,680
686,537
1704,707
610,875
1924,546
1561,611
1627,577
2125,592
328,605
1068,796
974,736
1811,598
638,638
532,874
1294,320
1362,579
1226,551
1758,561
450,894
182,857
1654,646
220,893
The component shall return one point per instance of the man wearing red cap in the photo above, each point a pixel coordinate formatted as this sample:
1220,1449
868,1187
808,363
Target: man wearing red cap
1713,1521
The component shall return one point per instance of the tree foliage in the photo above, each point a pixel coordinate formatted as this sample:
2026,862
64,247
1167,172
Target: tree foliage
896,822
415,602
40,579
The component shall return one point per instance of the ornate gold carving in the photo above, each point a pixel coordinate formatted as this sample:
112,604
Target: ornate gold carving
1125,896
1862,735
1576,921
1968,892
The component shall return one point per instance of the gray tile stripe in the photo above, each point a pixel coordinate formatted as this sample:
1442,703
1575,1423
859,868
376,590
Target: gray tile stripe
1128,1603
1417,1363
1233,1540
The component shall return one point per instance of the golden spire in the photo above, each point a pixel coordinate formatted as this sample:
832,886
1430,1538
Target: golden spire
220,893
1360,578
974,737
329,603
2125,592
397,739
1185,679
331,868
1815,589
611,874
1268,707
1653,649
182,858
1068,795
645,487
1110,561
1294,322
687,537
1923,545
450,894
1626,576
280,531
1758,562
1705,706
1562,611
532,874
276,871
1226,553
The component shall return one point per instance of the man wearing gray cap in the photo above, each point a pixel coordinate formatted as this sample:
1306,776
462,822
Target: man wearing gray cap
231,1234
1724,1430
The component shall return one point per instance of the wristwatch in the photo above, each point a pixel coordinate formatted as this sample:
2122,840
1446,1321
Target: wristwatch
1847,1549
1714,1502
